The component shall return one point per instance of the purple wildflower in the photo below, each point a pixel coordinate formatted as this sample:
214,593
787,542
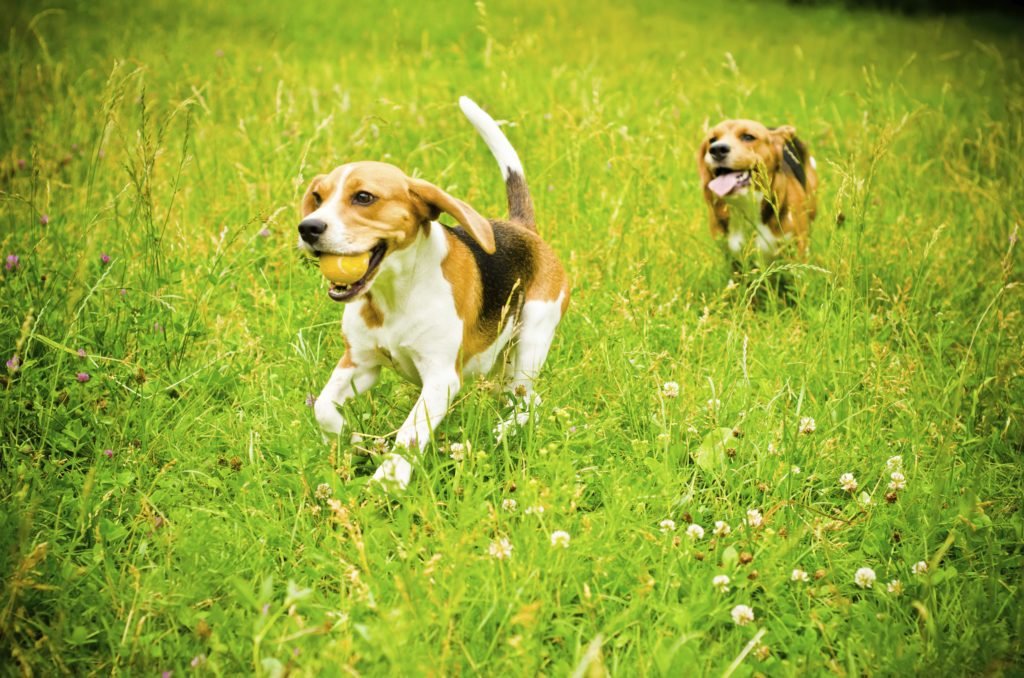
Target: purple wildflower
83,377
310,400
82,353
108,453
264,232
14,363
124,292
13,260
104,258
167,674
44,219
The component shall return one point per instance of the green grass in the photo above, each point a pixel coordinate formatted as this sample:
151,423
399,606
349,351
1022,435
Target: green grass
169,136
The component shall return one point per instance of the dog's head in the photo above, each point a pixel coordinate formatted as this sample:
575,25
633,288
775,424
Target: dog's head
735,150
375,208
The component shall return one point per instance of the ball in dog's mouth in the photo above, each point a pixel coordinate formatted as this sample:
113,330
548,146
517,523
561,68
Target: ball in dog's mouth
350,275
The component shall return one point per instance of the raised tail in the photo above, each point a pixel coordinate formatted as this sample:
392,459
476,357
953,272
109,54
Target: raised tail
520,206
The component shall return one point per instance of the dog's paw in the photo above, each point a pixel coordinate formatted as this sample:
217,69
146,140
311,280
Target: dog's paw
524,409
393,473
330,420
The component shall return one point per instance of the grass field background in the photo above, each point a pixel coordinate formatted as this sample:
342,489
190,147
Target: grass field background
170,513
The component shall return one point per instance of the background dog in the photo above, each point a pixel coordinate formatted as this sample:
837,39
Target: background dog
760,186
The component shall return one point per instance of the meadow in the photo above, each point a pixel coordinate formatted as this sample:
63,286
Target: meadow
167,505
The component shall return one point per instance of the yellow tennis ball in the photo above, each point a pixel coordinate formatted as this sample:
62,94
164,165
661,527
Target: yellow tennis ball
344,269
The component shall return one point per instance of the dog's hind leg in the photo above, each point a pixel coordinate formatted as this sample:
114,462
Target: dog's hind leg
537,330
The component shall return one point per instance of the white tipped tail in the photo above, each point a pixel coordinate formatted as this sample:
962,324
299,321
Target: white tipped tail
520,206
492,135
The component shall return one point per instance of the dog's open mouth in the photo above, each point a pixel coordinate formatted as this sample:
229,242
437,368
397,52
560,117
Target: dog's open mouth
728,181
349,291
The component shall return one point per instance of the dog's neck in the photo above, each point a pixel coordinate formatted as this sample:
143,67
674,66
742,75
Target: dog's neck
401,272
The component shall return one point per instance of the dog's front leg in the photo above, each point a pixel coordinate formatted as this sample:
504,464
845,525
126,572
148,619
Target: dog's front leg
348,379
439,389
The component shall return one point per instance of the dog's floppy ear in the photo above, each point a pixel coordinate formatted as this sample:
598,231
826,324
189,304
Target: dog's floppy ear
782,135
702,167
440,201
784,132
308,204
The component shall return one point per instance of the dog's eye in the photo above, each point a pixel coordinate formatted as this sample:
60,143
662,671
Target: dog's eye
748,137
363,198
712,140
317,200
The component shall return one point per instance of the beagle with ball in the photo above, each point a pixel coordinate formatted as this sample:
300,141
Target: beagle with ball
760,184
439,304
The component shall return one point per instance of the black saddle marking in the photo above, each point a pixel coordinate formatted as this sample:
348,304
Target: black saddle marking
504,275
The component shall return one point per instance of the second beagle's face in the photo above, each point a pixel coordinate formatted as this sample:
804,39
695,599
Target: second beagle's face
375,208
733,149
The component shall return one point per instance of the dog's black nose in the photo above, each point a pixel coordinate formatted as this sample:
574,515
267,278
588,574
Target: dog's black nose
719,150
310,230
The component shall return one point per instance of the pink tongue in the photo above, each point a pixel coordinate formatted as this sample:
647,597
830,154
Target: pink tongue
725,184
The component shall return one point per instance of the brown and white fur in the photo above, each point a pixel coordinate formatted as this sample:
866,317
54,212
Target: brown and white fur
438,304
772,186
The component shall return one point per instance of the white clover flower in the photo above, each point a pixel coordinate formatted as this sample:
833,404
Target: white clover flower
800,576
895,587
848,482
721,583
538,509
323,491
500,549
742,615
894,463
920,567
695,532
670,389
714,404
667,525
722,528
560,538
509,505
864,577
807,426
523,418
457,451
731,285
795,470
754,518
772,449
899,481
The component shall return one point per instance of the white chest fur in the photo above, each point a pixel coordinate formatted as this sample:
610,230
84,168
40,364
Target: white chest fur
415,303
745,223
420,329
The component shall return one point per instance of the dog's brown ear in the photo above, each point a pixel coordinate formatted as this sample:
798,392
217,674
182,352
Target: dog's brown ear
308,203
702,167
783,133
440,201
